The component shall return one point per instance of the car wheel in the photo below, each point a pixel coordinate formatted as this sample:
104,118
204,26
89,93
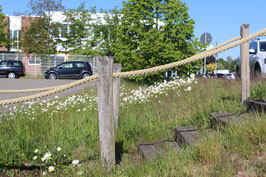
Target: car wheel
11,75
52,76
85,75
257,71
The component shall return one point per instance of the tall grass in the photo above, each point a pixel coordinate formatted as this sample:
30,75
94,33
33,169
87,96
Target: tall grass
72,124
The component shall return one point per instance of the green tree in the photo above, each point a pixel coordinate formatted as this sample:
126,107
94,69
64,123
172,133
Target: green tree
210,67
89,33
107,33
221,64
152,33
3,32
229,61
43,29
37,39
79,36
233,66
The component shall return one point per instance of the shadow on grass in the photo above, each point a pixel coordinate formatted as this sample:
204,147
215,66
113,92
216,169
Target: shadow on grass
119,151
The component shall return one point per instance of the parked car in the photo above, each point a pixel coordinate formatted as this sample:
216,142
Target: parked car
257,58
11,68
221,75
230,76
226,75
70,70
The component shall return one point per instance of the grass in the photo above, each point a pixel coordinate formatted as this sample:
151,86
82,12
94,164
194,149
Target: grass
72,124
30,76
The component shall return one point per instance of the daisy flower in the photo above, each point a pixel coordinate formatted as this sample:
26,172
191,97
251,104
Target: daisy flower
51,169
47,156
189,89
75,162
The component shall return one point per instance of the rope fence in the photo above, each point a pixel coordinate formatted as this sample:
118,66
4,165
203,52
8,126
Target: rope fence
56,89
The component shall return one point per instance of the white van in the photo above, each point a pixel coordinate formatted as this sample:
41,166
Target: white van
257,58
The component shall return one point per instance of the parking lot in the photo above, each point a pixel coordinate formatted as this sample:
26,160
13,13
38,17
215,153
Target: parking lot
16,84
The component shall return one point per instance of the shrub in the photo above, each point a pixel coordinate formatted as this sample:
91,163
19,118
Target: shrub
258,91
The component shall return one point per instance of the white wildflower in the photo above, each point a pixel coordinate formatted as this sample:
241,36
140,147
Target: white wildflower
47,156
75,162
59,149
189,89
51,169
44,173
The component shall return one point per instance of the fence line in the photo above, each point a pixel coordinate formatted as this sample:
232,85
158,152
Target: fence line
95,68
36,65
139,72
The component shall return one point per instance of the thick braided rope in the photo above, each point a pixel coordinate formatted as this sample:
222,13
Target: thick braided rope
28,90
136,73
225,43
50,92
190,59
51,88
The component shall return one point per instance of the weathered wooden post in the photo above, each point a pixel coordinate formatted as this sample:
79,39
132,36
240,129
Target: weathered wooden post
116,94
105,110
245,71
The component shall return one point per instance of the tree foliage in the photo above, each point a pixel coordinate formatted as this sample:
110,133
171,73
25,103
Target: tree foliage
39,37
79,36
221,64
3,32
44,8
90,33
154,32
210,67
233,66
36,38
108,32
229,64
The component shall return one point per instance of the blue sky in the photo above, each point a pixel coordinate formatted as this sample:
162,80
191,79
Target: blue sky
222,19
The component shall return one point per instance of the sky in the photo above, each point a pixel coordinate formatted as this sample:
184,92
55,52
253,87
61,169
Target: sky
222,19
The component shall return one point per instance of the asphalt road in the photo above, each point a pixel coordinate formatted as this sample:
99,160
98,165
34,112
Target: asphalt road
16,84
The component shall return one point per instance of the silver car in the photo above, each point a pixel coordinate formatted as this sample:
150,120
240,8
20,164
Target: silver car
257,58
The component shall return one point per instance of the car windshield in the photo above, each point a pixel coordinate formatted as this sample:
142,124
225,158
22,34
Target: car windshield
263,46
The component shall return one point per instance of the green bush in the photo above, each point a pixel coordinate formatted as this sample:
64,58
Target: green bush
258,91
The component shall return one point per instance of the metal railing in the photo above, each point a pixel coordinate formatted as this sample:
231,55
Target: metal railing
36,65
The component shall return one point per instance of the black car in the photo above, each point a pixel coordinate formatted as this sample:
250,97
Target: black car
69,69
11,68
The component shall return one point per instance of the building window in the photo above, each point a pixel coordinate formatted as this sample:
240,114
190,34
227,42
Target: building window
15,39
15,35
34,61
